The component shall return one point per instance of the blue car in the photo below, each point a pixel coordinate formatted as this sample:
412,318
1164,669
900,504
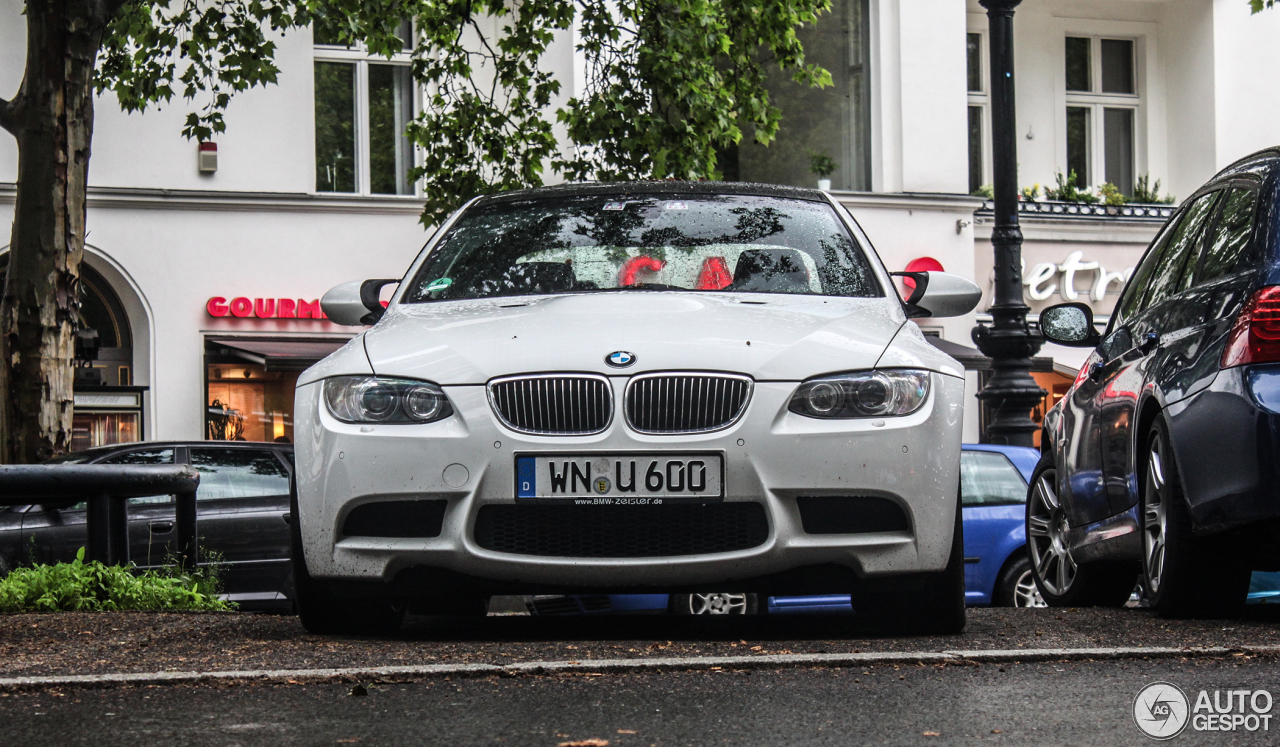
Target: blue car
993,493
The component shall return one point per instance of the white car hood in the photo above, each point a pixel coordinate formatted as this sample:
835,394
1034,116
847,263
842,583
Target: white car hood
781,338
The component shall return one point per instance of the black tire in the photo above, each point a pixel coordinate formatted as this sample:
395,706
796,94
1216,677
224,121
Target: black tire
1063,582
1016,586
1184,576
919,603
718,603
324,613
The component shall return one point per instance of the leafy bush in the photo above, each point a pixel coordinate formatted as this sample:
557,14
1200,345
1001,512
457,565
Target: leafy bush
986,190
93,587
1068,191
1145,193
1111,194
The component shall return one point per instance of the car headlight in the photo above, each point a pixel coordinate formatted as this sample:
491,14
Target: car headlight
866,394
371,399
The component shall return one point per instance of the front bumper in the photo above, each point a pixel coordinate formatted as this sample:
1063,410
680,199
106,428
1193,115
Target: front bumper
772,457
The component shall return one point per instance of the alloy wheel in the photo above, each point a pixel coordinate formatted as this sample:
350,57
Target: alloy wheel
717,604
1047,536
1155,520
1026,593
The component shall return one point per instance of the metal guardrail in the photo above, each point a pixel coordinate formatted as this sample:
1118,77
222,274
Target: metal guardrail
105,488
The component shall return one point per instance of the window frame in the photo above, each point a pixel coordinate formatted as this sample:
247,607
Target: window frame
1011,466
980,99
1098,102
360,57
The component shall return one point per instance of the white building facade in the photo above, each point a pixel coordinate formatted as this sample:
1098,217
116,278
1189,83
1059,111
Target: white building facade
204,266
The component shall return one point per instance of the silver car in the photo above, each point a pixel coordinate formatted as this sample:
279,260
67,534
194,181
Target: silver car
626,387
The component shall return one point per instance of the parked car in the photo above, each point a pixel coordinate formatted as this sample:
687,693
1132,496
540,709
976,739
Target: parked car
993,489
242,507
640,386
1162,459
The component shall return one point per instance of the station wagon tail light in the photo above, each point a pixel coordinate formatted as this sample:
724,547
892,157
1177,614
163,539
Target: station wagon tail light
373,399
1255,337
866,394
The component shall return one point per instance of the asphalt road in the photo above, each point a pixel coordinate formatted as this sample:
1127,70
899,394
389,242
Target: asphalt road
1084,703
96,643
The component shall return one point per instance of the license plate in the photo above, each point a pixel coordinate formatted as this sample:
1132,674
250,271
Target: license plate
620,478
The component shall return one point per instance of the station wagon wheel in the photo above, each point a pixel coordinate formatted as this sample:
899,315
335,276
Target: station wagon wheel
1155,520
1047,543
1184,575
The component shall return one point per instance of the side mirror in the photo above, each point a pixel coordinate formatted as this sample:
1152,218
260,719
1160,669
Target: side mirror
1069,324
356,303
940,294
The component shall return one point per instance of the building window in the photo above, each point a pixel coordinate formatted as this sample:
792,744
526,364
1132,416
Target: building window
362,105
1102,107
833,121
976,57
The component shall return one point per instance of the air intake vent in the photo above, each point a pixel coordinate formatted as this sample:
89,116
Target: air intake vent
553,404
686,402
395,519
621,531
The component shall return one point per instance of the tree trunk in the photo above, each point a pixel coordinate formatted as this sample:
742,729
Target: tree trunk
52,118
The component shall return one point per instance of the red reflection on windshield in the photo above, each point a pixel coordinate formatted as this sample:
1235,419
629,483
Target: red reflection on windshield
633,266
715,274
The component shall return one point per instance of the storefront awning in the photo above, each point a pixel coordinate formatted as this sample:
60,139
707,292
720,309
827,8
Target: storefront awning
973,360
279,355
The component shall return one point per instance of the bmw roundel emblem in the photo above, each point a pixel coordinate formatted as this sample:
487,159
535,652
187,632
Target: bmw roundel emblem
620,359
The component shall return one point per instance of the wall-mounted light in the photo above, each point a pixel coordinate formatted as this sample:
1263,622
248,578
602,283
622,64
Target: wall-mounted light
208,161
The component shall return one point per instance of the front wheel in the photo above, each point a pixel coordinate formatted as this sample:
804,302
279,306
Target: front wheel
320,610
1061,580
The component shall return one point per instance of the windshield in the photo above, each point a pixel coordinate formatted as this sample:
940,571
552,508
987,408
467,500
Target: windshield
718,243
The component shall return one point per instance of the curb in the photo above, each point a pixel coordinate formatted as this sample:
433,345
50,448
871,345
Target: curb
617,666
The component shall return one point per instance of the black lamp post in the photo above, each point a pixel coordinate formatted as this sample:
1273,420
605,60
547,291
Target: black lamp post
1008,341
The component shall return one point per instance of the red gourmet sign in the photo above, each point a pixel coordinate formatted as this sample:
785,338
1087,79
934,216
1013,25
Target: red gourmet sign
265,308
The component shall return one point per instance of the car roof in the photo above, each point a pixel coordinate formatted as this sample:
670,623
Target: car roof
1023,457
99,451
674,187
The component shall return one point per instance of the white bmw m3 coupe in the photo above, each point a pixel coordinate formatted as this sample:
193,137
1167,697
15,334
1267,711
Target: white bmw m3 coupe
664,386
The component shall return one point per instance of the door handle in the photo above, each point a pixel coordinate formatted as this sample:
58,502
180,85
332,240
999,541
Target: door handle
1149,343
160,527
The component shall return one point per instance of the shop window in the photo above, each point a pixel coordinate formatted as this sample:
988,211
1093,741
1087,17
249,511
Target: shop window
362,105
246,402
1102,108
833,121
107,415
89,429
1055,385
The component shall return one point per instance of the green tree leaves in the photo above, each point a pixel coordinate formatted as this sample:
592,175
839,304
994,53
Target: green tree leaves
667,84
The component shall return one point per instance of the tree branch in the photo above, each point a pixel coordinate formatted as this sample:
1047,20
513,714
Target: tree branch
9,116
